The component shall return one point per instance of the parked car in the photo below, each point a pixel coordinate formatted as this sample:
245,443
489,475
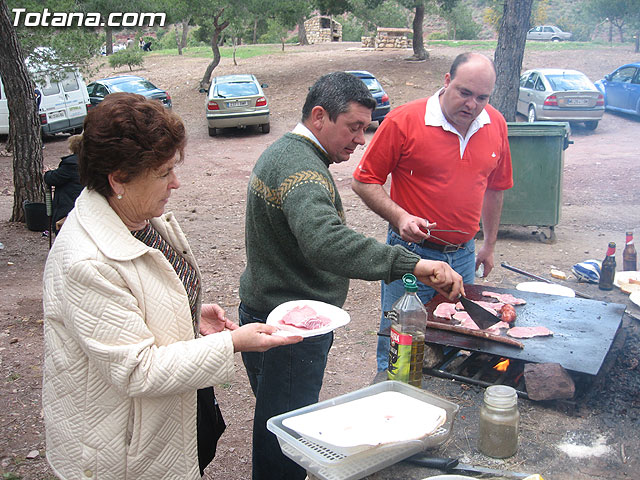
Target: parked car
621,89
382,99
560,95
548,32
126,83
236,101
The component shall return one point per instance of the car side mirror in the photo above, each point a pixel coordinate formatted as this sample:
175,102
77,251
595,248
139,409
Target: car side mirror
264,85
203,90
608,77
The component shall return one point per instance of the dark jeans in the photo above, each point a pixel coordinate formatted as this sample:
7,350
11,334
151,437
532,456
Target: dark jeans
282,379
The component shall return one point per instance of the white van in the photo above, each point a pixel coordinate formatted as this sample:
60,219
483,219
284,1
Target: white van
4,112
63,102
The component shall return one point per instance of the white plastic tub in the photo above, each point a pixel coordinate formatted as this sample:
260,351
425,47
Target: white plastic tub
328,464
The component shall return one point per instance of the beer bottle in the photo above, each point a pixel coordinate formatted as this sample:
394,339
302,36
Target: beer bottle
629,255
608,269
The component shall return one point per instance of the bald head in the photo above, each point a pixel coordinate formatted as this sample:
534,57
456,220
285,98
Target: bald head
479,60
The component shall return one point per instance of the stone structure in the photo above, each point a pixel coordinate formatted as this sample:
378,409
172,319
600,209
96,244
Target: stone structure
323,30
389,38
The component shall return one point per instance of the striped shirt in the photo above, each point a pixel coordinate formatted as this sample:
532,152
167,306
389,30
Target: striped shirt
187,274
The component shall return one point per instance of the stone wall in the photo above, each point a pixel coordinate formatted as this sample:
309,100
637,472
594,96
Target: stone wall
388,38
319,31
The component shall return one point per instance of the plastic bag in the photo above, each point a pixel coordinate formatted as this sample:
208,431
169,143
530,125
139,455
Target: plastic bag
587,271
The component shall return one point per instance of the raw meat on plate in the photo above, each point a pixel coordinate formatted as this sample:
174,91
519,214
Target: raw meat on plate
305,317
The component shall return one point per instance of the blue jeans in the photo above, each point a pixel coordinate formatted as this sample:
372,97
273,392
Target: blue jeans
282,379
462,261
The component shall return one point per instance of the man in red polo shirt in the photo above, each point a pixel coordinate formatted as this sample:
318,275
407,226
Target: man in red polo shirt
449,160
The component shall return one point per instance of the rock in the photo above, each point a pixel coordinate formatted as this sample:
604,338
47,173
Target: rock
33,454
548,381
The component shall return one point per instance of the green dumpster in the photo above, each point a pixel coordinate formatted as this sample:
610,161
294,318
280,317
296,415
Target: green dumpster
537,154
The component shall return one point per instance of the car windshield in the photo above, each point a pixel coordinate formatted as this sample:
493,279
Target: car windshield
372,84
569,81
236,89
133,86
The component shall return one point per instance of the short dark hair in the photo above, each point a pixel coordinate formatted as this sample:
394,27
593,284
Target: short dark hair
128,133
334,92
464,58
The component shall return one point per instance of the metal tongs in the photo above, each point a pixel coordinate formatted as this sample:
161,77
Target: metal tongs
429,230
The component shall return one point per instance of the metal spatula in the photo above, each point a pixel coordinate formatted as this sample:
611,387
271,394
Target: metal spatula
483,317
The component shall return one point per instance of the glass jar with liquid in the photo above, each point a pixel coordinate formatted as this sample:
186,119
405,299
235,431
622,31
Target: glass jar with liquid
499,421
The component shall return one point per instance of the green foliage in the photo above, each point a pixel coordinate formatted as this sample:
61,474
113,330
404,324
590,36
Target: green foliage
275,32
353,29
11,476
132,57
438,36
461,24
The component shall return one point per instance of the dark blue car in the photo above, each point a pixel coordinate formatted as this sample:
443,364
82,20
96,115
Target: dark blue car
621,89
383,106
126,83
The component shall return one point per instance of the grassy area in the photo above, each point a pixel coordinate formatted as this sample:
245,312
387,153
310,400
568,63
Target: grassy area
243,51
531,45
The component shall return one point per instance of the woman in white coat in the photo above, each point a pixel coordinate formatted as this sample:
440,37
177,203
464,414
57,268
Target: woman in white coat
131,353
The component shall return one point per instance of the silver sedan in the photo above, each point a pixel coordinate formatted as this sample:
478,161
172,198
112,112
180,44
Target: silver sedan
560,95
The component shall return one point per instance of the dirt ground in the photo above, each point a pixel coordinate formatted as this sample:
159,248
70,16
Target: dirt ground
600,202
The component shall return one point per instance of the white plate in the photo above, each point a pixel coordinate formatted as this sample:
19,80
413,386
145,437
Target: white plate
449,477
635,298
367,422
337,315
623,277
548,288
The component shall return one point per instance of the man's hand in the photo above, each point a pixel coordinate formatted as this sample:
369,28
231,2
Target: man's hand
412,228
214,320
484,256
258,337
441,277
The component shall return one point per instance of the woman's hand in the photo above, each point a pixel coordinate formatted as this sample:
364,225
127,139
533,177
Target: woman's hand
214,320
258,337
441,277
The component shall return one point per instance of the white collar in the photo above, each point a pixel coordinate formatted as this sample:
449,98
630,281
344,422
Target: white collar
300,129
434,117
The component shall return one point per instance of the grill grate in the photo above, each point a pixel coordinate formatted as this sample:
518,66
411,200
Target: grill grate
475,368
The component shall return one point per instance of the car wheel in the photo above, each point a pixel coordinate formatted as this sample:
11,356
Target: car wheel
555,39
532,114
591,125
212,131
266,127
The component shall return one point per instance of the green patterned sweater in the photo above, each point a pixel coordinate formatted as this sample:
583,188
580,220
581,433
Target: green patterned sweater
297,243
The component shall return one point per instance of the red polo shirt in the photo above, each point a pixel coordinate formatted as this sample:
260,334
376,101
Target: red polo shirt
429,179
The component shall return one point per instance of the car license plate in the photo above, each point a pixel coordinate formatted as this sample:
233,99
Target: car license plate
56,115
238,103
577,102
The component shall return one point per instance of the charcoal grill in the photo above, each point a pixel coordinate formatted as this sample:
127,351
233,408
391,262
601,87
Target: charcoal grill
584,330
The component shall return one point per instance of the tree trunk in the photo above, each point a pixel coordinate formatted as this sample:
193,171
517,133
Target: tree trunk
185,34
508,56
419,52
108,33
255,31
302,32
24,127
637,41
235,47
206,79
621,32
610,31
282,40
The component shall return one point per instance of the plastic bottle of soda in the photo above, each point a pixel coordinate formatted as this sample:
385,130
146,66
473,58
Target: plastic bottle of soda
629,255
408,324
608,269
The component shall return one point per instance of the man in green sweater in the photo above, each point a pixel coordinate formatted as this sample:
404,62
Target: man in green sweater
299,247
